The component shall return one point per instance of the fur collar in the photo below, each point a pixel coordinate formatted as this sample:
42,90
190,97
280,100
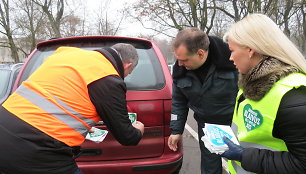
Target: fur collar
259,80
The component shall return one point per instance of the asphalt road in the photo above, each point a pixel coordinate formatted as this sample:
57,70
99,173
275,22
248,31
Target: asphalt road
192,155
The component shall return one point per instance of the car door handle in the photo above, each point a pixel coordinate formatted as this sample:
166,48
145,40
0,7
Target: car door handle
90,152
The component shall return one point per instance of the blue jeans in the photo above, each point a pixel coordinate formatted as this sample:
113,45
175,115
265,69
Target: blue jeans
210,162
78,171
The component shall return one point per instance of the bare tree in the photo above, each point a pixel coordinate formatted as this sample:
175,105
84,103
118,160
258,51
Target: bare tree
176,14
237,9
302,26
71,25
48,8
230,8
214,16
104,25
299,26
166,48
5,22
221,25
30,31
164,45
76,20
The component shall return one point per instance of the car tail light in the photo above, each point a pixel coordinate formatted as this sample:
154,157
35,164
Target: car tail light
150,113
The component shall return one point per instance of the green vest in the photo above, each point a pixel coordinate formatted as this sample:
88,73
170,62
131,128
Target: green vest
253,120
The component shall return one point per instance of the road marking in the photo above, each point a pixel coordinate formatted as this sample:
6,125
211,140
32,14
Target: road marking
192,132
195,136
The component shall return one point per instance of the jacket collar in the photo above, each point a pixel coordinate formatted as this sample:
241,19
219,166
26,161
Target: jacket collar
259,80
218,53
114,57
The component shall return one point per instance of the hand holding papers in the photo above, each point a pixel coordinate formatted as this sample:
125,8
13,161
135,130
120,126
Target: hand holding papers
213,137
97,135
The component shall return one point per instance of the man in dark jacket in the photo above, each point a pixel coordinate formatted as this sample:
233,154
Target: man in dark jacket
205,81
30,144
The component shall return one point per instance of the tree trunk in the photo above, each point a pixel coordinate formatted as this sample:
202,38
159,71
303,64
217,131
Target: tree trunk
5,23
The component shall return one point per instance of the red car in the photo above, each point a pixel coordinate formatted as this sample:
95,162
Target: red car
149,95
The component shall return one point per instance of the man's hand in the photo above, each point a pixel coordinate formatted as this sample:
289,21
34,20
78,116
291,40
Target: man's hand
91,131
139,125
173,140
234,152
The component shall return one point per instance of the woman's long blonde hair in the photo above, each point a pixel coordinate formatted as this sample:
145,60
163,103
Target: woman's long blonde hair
259,32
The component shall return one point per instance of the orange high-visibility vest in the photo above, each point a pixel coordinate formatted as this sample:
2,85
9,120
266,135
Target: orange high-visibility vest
55,98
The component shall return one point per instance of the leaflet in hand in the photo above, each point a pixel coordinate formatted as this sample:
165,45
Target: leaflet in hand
213,134
97,136
132,117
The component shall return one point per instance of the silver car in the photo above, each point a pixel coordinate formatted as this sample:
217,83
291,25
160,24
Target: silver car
8,75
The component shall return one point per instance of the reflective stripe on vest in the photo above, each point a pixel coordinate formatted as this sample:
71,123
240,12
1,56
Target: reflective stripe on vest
238,169
249,144
57,111
253,120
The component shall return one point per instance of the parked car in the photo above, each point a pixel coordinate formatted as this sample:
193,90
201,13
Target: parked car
8,74
149,95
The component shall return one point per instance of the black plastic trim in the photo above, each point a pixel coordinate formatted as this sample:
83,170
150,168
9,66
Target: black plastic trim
158,166
90,152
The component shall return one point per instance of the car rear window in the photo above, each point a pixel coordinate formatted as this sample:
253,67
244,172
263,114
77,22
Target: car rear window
5,77
147,75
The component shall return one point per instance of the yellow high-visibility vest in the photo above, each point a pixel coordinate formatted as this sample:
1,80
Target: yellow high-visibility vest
253,120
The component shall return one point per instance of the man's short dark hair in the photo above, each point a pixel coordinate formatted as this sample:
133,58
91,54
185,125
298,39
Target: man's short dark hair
128,53
193,38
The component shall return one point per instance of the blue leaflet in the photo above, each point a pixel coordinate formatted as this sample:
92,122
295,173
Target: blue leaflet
216,135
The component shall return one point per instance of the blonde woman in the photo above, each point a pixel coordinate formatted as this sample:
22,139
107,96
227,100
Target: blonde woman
270,113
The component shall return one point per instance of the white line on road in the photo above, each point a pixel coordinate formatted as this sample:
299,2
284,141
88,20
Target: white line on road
195,136
192,132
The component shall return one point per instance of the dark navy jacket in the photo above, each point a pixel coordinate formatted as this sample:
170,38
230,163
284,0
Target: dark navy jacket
214,100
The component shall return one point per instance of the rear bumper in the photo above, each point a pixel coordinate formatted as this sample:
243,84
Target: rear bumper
159,166
164,164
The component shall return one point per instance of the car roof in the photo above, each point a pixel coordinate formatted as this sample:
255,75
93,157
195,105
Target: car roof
93,39
11,66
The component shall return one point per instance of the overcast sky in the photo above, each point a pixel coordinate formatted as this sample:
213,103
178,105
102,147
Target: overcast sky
128,28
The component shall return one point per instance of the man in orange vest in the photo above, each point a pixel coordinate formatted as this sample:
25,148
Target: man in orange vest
52,111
